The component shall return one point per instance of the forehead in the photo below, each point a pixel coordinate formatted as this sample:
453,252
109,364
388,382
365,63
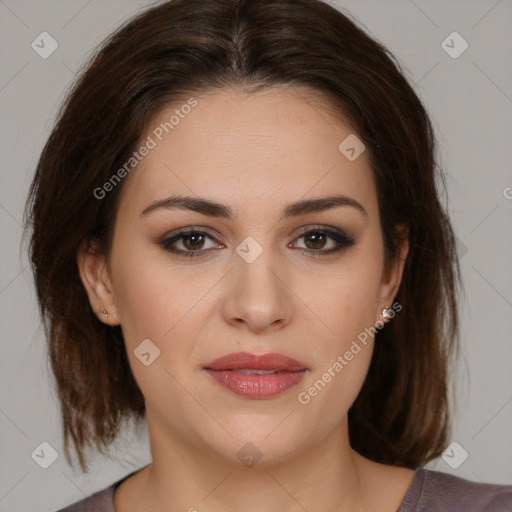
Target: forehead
247,149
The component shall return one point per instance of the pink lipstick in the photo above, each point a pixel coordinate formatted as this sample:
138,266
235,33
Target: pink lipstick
255,376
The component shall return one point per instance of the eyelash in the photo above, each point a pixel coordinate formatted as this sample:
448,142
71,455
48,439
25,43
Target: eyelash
342,239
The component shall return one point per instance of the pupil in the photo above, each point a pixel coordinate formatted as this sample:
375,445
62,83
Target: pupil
319,242
194,244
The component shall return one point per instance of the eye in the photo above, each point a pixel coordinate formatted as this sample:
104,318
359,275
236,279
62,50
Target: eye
316,239
192,240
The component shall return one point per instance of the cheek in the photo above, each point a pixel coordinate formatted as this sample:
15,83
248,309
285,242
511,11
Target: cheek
161,301
347,307
344,352
138,304
154,304
350,295
149,298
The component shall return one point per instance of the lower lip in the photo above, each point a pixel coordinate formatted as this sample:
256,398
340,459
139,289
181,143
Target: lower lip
254,385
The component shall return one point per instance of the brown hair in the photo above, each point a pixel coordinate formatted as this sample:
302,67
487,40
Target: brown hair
169,51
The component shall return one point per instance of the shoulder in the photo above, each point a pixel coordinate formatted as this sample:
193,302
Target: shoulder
436,491
101,501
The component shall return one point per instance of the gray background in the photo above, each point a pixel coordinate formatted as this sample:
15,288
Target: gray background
470,100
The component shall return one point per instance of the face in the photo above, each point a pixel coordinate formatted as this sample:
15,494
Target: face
298,282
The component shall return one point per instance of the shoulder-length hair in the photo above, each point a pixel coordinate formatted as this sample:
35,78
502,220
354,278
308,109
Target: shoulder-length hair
165,53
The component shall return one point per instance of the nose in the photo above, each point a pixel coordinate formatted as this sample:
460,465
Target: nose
258,296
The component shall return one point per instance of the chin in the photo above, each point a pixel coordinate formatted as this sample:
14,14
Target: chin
267,443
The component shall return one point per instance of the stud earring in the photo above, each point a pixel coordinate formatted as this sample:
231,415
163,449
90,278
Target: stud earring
105,312
386,313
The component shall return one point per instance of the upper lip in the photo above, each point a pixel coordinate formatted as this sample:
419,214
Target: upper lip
245,360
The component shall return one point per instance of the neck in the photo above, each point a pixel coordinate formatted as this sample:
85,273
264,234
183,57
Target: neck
325,476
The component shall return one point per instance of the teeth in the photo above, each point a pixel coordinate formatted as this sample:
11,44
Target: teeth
259,372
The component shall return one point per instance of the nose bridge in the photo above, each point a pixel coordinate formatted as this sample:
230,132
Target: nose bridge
257,293
255,265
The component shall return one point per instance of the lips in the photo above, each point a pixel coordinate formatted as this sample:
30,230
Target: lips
244,360
253,376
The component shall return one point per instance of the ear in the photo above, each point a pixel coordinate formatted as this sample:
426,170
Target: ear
392,274
96,280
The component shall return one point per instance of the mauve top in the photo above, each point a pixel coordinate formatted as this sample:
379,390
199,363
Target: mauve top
430,491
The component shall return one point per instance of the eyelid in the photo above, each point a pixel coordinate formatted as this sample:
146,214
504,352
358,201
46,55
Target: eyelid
330,230
302,231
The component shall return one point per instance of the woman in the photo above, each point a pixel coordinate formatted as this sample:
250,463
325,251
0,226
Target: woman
237,237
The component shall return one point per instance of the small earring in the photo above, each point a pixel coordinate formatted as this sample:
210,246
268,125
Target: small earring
386,313
105,312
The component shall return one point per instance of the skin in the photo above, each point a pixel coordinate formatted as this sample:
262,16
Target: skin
255,153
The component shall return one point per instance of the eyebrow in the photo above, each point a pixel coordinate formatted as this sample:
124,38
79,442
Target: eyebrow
215,209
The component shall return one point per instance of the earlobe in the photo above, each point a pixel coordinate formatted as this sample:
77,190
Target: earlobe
94,276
